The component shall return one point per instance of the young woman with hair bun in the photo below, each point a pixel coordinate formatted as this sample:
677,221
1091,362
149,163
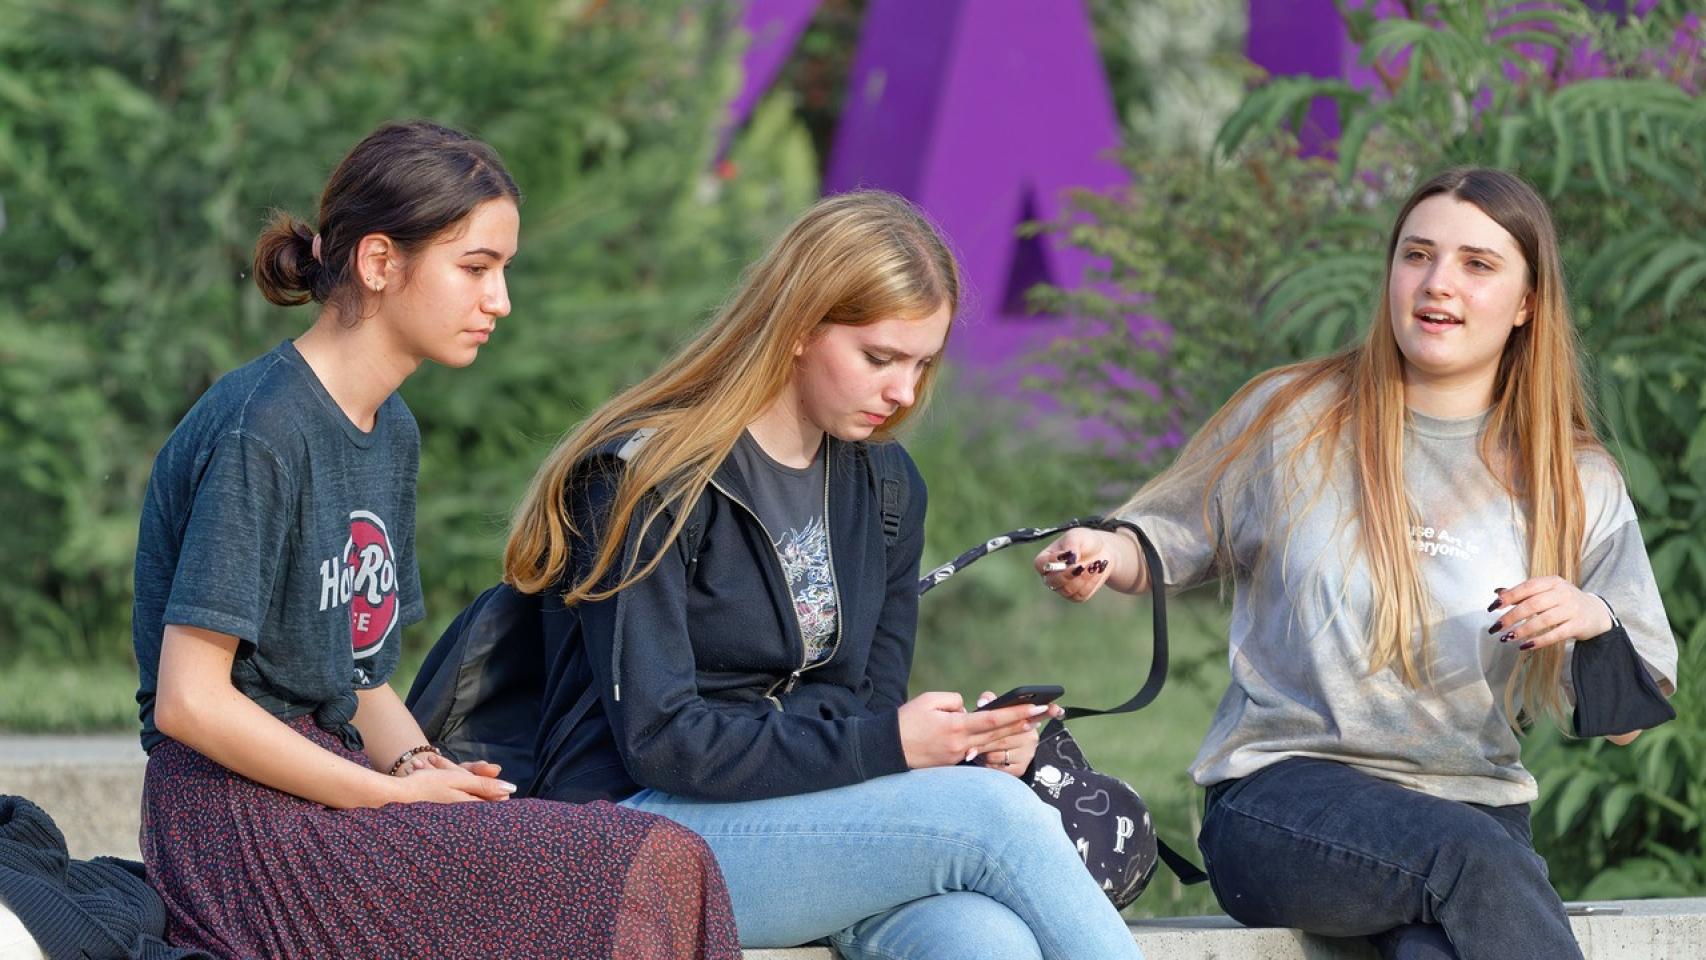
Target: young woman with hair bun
292,807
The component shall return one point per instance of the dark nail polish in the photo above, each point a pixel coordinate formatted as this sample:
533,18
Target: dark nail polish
1097,566
1527,646
1492,606
1500,589
1077,570
1495,628
1067,557
1507,638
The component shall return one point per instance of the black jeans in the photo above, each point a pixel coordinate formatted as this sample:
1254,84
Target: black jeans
1316,845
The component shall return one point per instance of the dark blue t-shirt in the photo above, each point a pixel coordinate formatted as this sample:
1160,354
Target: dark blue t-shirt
270,517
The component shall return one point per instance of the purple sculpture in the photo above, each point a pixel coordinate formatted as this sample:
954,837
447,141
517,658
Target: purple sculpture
983,112
775,27
1305,37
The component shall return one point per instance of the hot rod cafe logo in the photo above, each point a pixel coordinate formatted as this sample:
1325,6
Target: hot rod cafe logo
365,578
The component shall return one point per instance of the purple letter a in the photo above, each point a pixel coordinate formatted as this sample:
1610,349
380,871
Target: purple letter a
983,112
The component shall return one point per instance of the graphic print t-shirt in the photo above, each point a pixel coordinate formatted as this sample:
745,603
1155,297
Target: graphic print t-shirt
271,517
790,503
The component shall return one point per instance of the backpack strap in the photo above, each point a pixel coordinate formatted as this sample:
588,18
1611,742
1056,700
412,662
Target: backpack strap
694,529
893,487
891,510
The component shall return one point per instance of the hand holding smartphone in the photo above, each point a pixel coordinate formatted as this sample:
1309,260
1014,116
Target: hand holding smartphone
1033,694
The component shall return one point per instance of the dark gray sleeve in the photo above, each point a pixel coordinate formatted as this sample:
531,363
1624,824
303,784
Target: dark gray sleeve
234,542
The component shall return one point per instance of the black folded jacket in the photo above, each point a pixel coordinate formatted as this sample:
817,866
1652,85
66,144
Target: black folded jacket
94,909
1614,692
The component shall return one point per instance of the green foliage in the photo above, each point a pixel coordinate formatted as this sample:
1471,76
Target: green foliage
38,697
1618,154
1624,822
1194,246
1174,67
1616,143
141,145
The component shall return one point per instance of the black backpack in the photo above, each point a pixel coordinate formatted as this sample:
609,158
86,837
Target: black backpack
480,691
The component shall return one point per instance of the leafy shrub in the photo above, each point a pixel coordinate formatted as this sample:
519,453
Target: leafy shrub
141,145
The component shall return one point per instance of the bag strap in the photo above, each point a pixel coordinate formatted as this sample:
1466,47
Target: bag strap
1152,560
1187,872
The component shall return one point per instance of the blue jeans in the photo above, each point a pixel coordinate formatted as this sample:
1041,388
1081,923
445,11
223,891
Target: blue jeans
955,862
1317,845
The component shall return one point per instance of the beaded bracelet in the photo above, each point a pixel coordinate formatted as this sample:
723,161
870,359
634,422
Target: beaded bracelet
410,754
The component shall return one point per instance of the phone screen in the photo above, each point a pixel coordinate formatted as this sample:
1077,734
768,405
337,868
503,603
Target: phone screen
1038,693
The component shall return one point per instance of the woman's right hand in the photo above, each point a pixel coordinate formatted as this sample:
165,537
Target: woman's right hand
1082,560
936,730
450,784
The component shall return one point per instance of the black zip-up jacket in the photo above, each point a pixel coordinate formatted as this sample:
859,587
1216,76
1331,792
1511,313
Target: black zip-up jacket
691,680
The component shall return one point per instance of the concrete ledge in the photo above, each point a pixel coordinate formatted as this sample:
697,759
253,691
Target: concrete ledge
92,786
1644,930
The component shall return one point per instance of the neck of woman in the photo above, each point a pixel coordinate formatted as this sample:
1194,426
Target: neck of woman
1448,397
786,434
360,366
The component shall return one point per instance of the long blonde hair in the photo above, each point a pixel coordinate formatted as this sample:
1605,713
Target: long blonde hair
1538,423
855,258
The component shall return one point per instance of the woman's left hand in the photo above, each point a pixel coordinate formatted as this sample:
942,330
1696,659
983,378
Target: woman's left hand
1544,611
426,761
1013,754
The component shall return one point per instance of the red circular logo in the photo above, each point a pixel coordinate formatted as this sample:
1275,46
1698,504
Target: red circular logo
373,588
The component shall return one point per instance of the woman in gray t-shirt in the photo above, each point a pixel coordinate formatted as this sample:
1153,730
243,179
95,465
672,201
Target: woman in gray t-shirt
1422,531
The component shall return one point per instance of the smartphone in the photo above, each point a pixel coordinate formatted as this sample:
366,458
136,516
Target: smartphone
1038,693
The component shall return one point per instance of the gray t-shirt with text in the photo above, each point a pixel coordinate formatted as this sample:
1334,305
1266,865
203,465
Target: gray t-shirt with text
1299,647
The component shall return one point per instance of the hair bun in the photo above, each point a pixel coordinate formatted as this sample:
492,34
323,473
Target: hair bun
285,268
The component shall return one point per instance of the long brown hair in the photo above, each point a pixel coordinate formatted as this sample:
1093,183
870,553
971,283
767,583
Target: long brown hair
854,258
1538,423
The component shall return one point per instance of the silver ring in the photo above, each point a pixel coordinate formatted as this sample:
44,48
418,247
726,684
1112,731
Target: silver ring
1006,758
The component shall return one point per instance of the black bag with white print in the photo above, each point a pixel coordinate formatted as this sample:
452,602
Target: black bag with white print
1107,820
